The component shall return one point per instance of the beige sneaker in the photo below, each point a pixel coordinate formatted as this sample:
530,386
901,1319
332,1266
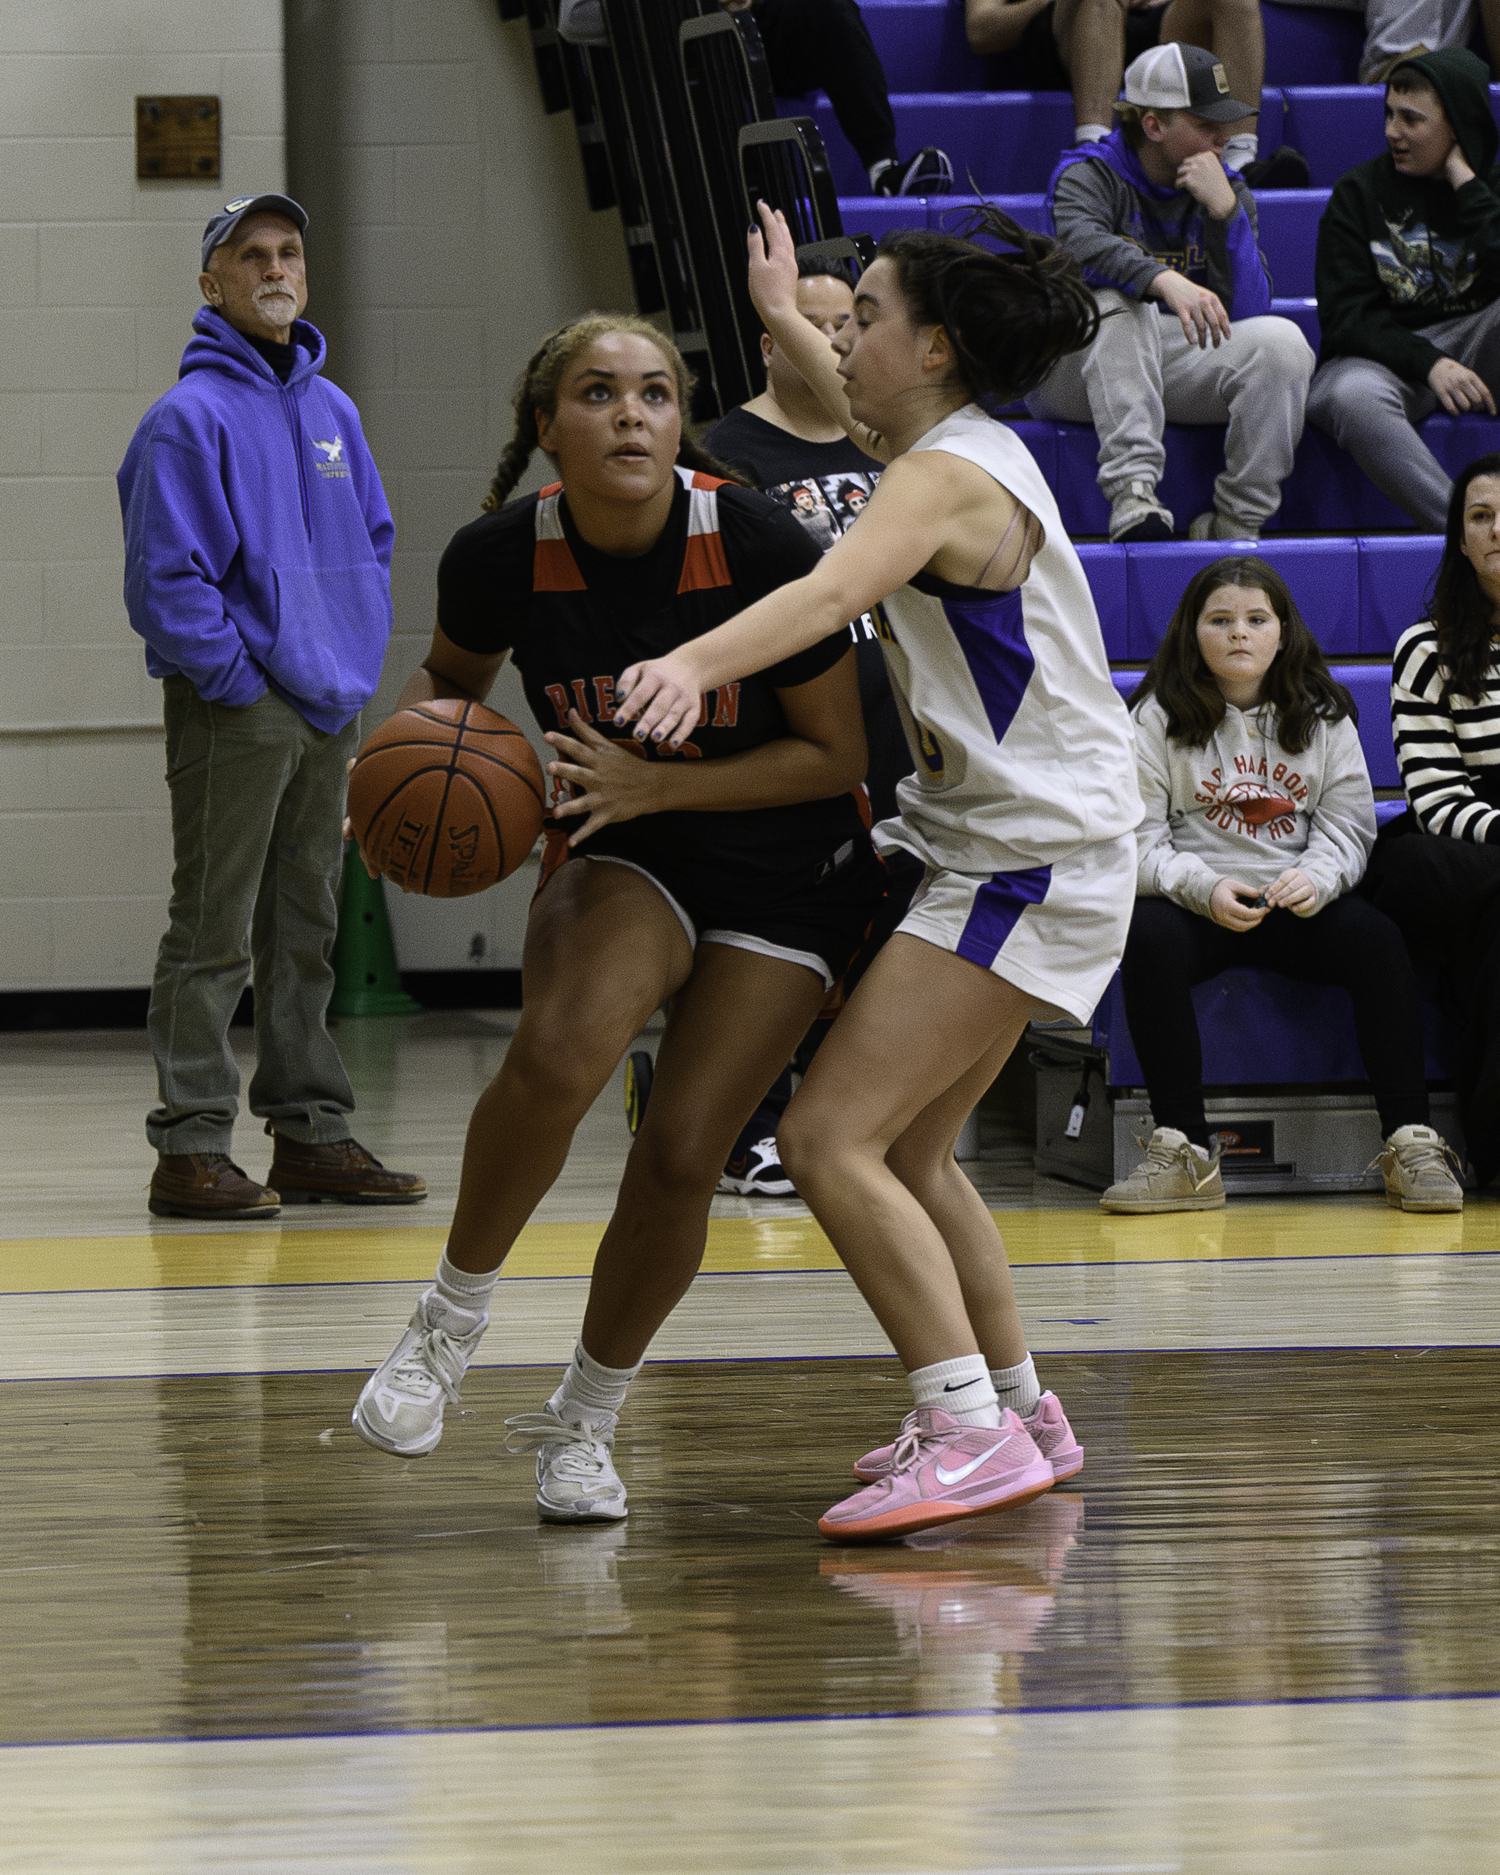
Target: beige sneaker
1175,1175
1216,526
1136,514
1416,1167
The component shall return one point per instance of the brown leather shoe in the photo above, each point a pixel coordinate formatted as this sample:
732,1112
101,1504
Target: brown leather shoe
342,1172
207,1184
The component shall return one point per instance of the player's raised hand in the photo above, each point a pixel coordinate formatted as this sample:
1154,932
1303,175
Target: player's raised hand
773,265
614,779
661,697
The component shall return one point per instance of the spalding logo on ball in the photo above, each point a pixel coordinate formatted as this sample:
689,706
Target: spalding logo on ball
446,798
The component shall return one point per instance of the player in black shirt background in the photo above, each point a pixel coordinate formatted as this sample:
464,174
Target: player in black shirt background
735,883
785,443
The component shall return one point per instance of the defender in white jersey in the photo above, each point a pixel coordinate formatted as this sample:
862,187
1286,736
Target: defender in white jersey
1022,808
1024,795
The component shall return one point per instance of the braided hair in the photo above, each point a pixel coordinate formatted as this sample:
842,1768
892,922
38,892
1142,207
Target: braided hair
537,389
1009,317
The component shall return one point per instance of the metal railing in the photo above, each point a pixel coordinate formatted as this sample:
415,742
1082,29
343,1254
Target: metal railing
677,126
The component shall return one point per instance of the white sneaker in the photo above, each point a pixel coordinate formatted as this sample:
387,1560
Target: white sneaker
1175,1175
400,1408
1415,1165
759,1171
1216,526
576,1481
1136,514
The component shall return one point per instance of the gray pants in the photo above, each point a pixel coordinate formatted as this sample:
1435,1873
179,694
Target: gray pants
1396,26
1372,413
257,814
1141,372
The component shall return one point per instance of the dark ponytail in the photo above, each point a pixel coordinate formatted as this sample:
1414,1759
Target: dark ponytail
1009,317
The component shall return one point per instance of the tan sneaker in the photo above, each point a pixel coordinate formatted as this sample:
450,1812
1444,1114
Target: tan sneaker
1135,513
1415,1164
1175,1175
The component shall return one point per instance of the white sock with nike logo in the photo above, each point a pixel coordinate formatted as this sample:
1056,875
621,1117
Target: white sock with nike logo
1017,1387
962,1388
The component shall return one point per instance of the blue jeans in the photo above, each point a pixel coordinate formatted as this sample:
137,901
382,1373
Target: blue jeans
257,817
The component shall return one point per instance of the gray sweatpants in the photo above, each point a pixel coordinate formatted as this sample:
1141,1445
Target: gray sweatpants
1396,26
257,833
1371,412
1141,372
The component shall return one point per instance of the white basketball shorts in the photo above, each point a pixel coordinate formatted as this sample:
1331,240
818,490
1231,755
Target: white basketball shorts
1057,932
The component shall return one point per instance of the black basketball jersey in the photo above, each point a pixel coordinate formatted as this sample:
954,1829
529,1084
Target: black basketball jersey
573,618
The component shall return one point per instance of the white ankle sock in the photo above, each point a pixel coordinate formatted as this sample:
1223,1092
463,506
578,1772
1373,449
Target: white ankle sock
1090,133
466,1293
962,1388
589,1388
1016,1387
1241,150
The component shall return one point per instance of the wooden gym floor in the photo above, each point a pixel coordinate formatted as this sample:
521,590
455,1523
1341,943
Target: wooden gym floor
1263,1634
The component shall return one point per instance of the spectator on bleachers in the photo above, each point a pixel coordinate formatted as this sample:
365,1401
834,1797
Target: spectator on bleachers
816,45
1441,885
1083,46
1259,820
1408,279
1168,240
1396,29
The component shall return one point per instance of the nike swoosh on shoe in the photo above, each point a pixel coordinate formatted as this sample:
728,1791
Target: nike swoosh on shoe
957,1477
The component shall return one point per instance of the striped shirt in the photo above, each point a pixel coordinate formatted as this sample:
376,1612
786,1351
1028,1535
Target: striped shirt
1449,753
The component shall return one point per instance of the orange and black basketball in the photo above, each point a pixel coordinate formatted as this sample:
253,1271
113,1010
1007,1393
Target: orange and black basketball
446,798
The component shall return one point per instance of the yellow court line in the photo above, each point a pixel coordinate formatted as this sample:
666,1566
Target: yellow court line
266,1255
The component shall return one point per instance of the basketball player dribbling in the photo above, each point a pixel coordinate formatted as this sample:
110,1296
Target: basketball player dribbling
1021,808
736,874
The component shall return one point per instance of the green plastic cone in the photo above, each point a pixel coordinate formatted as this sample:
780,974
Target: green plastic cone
365,979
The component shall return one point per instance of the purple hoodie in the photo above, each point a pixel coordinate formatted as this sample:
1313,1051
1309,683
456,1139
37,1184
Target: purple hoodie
257,536
1123,228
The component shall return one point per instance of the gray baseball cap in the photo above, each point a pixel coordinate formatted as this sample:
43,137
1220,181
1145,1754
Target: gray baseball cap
233,213
1177,77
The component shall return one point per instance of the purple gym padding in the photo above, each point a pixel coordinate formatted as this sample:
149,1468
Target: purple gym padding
1324,577
1394,573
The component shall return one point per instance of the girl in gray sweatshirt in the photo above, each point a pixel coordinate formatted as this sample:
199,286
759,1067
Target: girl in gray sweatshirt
1259,821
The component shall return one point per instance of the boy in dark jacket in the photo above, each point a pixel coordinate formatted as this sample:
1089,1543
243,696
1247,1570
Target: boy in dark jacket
1409,281
1167,239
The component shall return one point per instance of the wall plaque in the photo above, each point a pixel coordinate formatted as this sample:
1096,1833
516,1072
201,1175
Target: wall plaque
177,137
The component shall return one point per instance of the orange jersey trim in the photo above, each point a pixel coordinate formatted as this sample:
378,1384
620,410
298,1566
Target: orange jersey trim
703,565
554,569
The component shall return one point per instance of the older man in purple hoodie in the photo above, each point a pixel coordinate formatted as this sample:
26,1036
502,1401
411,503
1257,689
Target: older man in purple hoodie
1167,237
257,569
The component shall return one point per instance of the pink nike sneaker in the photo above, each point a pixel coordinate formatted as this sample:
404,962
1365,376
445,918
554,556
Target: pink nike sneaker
941,1471
1048,1426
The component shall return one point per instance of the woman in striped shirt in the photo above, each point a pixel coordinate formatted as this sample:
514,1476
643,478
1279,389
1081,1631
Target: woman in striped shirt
1444,890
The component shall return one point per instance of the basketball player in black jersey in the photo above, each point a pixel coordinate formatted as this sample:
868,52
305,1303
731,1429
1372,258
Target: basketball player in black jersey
738,878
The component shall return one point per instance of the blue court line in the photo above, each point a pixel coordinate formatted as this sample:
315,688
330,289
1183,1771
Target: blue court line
711,1276
801,1718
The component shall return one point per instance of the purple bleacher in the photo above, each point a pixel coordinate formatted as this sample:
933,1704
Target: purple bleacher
1288,224
1323,576
1041,440
1311,45
1394,573
1105,567
1370,687
1259,1029
1303,313
923,45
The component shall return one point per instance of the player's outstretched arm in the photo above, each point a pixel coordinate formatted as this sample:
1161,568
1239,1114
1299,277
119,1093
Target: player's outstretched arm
923,506
773,288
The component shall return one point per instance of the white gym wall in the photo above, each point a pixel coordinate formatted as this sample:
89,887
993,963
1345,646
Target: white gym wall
449,232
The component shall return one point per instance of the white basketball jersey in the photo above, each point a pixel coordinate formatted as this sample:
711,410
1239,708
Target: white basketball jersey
1024,751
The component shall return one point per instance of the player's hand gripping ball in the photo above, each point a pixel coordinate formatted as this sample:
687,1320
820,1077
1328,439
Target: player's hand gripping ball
446,798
